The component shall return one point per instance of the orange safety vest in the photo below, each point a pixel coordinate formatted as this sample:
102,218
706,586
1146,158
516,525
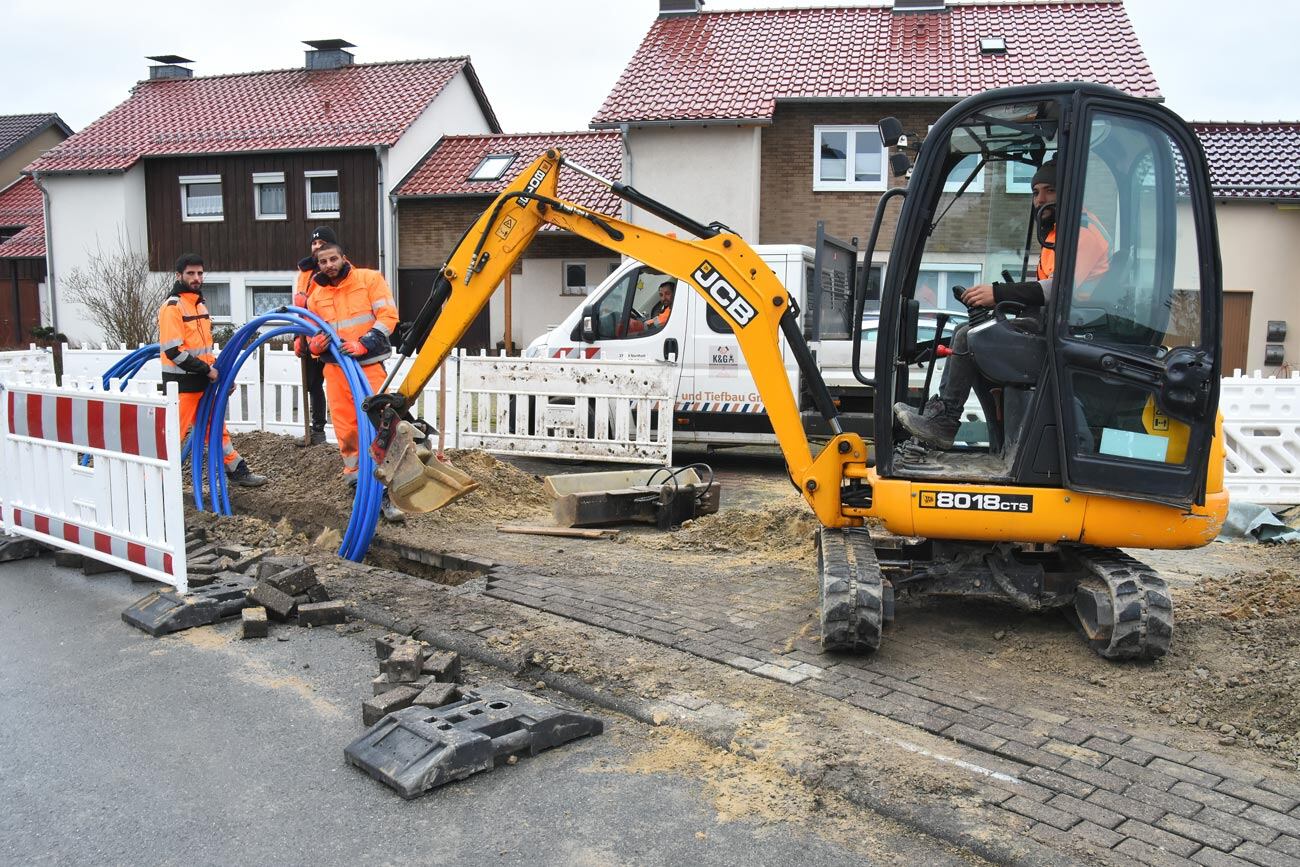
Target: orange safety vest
1091,259
359,302
185,339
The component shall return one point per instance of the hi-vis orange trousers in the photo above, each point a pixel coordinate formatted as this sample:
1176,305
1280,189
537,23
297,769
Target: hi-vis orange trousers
342,413
190,409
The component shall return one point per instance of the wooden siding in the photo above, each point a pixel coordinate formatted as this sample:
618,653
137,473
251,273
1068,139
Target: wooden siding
240,242
20,301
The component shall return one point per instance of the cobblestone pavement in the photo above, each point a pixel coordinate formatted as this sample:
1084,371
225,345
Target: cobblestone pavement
1070,778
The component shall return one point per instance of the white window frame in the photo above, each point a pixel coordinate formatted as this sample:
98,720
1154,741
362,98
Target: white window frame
307,179
260,178
848,184
251,287
944,299
479,173
186,216
218,280
565,289
1024,187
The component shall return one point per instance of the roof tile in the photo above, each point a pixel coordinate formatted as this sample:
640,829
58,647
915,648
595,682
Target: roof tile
1252,160
736,65
18,128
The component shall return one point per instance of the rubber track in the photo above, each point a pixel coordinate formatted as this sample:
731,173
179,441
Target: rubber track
850,592
1144,611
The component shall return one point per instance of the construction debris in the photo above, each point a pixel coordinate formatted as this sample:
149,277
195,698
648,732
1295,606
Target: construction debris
254,623
321,613
665,497
410,674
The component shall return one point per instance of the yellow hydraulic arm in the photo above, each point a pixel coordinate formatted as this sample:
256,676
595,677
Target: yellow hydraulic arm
724,269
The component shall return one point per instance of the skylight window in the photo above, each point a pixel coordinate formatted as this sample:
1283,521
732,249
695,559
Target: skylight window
492,167
993,45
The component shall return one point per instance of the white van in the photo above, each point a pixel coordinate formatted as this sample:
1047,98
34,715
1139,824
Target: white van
717,401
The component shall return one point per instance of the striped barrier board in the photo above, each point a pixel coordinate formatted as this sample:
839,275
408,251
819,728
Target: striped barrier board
123,508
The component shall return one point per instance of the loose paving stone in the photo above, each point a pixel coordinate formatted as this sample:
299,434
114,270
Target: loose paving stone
404,663
254,622
295,580
91,566
444,665
437,694
375,709
384,644
67,559
321,614
381,684
279,604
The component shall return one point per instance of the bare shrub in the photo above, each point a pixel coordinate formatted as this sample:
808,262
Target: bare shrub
120,294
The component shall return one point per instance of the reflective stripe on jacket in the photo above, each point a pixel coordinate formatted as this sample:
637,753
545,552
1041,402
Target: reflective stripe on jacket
360,302
185,339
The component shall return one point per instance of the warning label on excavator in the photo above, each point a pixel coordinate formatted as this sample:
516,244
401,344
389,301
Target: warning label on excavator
967,502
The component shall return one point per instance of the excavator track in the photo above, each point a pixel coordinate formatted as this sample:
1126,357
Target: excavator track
851,597
1123,607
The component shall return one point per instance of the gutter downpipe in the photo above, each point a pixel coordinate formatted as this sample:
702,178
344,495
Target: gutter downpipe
49,253
379,172
629,214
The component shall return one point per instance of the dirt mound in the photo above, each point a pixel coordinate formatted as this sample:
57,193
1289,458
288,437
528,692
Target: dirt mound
504,491
784,527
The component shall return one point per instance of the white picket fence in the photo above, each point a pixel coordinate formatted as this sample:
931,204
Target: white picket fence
124,505
1261,433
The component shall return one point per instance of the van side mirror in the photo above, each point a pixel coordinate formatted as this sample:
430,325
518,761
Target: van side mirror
588,324
890,131
670,349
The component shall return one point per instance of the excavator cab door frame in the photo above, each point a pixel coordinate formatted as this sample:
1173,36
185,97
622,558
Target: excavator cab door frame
1134,350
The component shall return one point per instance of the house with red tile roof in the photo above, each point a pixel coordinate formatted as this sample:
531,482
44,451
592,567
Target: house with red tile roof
1255,169
459,177
22,262
240,168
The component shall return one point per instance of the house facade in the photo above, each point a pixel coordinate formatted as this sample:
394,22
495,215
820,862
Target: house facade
23,138
452,185
241,168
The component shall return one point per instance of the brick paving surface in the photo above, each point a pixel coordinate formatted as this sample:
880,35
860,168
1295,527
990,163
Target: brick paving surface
1107,787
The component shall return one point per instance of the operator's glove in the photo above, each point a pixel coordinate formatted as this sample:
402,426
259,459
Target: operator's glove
319,344
355,348
375,341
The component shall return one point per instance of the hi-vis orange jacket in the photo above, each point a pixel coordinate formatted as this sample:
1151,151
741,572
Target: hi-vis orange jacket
185,337
359,307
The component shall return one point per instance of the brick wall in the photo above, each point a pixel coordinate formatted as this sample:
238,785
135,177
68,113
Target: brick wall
429,228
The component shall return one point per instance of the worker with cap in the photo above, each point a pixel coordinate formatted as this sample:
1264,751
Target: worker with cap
186,354
313,368
359,306
938,423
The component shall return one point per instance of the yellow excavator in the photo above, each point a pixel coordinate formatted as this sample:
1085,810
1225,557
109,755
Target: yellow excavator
1098,386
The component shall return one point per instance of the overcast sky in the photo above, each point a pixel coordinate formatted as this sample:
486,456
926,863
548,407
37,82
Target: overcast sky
547,67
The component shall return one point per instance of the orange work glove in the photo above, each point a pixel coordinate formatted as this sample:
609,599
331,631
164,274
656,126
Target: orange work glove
354,348
299,299
319,344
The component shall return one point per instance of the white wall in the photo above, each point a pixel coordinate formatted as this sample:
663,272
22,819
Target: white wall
242,284
707,173
536,303
1260,246
89,213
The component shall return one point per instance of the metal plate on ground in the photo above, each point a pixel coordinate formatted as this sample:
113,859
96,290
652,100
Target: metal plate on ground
167,611
417,749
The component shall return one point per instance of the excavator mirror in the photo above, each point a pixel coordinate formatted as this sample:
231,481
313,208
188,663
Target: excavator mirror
899,164
911,319
890,131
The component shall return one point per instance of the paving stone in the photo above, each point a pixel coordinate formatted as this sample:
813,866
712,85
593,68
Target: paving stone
191,580
253,622
376,708
1139,774
1273,819
1262,797
1210,798
1120,751
91,566
381,684
292,581
385,643
1148,854
67,559
1214,858
1129,807
1046,716
1094,813
830,690
745,663
1236,771
1156,748
1059,782
1199,831
271,565
1157,837
1257,854
1093,776
1041,812
1244,828
278,604
1163,800
437,694
974,738
1030,756
1069,734
1096,834
1021,788
321,613
232,550
1183,772
404,663
998,715
1014,733
1078,754
1289,845
443,665
1281,787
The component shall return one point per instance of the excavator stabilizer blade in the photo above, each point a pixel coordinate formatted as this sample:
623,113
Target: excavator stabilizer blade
416,479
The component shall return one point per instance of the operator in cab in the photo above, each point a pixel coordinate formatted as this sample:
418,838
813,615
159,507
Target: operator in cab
659,313
937,425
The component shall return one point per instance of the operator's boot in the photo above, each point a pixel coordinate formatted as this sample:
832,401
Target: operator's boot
936,425
315,438
240,474
391,513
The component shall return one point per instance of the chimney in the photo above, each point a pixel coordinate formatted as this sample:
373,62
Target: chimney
328,53
919,5
169,67
673,8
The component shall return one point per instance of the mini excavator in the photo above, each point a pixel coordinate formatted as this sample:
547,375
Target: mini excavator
1101,428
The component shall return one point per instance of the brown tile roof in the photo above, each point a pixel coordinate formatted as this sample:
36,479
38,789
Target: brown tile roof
1252,160
738,65
21,204
27,244
288,109
445,170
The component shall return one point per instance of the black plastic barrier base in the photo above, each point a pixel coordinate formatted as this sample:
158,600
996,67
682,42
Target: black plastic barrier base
167,611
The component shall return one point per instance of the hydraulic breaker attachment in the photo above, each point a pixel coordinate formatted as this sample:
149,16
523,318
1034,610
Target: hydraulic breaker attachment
417,478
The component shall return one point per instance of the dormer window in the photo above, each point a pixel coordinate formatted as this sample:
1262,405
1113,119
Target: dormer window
492,167
993,45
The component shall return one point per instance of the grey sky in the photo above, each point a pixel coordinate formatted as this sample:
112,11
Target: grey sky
548,66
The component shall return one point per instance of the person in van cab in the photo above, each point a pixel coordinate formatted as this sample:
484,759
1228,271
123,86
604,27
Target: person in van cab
657,318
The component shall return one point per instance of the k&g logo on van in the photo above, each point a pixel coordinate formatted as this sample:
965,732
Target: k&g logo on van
736,307
966,502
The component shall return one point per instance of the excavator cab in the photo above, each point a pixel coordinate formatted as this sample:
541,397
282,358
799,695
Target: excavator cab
1111,384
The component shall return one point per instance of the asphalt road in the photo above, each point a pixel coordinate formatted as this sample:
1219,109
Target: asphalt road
199,748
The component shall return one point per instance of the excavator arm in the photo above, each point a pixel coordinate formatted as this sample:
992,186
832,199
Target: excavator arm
724,269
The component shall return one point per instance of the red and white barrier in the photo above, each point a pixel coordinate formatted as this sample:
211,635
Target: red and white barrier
124,507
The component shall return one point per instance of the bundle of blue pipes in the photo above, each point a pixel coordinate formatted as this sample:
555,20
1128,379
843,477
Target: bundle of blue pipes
207,460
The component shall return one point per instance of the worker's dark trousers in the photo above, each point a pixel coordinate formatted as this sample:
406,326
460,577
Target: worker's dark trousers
958,375
316,392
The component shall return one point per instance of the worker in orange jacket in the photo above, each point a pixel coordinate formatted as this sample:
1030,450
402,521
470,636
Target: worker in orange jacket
359,306
314,367
186,353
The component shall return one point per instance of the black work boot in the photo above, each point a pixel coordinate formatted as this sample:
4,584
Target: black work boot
240,474
315,438
936,425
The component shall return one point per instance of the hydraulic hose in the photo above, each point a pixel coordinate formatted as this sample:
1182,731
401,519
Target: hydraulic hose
212,412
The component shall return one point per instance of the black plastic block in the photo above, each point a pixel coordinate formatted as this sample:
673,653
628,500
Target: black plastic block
167,611
418,748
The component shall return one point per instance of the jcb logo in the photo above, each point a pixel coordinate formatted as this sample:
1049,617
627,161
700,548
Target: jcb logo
737,308
976,502
533,183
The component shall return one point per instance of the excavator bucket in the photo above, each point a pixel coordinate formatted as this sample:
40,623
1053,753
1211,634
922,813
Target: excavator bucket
416,478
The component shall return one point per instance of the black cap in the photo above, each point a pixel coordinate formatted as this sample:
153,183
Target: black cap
324,233
1046,174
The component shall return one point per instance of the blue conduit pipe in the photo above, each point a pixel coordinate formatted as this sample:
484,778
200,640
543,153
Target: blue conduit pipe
292,321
